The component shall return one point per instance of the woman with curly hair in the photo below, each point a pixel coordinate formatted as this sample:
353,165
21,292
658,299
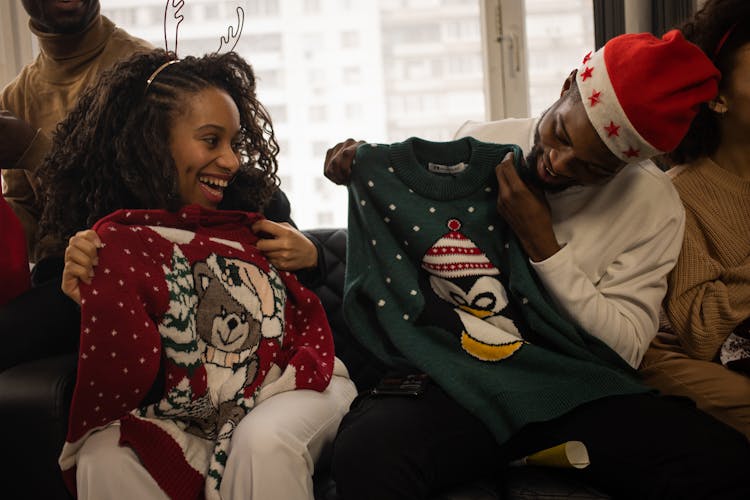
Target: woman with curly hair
706,353
224,383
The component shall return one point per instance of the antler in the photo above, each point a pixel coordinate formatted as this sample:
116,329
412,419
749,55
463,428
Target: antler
232,33
172,20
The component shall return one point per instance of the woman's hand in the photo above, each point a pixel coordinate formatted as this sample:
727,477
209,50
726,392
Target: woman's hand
80,259
285,247
526,211
339,161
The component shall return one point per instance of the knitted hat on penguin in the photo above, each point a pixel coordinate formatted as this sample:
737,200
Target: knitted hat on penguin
641,92
454,255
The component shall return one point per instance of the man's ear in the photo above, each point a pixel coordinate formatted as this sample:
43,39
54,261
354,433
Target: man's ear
718,105
568,82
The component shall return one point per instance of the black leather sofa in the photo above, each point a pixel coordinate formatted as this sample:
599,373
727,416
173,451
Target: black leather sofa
35,397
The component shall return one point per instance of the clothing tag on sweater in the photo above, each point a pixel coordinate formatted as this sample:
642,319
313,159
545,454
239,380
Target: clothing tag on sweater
446,169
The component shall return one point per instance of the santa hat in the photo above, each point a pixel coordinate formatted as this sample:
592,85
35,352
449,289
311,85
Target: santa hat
641,92
454,256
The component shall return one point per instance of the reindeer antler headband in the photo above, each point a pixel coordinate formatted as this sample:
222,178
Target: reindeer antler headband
172,20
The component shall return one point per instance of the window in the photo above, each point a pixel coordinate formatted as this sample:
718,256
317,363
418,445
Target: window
351,74
318,113
312,6
270,78
278,113
354,110
349,39
326,219
259,8
319,148
392,69
253,44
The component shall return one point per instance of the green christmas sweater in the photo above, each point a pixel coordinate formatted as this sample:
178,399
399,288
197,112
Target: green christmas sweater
436,280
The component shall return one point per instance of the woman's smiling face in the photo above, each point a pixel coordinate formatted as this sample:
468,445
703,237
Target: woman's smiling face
204,145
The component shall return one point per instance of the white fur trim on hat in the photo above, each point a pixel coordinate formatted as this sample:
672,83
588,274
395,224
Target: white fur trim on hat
606,113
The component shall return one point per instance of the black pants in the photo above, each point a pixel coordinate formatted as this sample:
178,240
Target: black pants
40,322
640,446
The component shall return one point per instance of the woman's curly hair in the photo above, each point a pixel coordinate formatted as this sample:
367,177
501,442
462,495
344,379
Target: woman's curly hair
706,29
113,150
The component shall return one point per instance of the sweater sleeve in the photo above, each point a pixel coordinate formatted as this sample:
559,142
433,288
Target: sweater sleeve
622,308
707,300
120,345
18,184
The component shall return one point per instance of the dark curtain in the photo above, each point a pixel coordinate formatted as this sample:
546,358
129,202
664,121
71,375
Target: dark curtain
609,17
609,20
668,14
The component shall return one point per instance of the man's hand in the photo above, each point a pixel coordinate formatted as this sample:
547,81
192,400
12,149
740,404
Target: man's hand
81,257
15,137
339,161
285,247
525,209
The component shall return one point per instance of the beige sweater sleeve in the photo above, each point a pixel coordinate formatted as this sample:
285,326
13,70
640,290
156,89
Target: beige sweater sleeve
709,289
19,187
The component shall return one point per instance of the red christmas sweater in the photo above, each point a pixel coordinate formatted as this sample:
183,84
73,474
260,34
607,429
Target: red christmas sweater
189,293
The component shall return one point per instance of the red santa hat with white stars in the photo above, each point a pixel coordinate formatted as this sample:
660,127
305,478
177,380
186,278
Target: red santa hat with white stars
454,256
641,92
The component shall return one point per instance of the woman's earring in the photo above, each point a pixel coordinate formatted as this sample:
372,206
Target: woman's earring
718,105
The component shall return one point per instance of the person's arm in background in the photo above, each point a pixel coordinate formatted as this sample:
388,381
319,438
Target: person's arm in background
22,150
707,300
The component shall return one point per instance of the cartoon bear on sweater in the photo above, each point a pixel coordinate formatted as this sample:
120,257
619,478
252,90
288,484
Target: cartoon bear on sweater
238,305
220,311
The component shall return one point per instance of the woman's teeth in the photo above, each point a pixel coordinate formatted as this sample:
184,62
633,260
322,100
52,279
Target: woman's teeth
211,181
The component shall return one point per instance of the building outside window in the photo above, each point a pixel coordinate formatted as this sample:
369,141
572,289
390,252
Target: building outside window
379,70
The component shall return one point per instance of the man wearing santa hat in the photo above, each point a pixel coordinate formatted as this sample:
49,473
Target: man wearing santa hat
602,226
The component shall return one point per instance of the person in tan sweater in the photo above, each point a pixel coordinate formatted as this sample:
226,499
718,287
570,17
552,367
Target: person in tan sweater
76,44
708,301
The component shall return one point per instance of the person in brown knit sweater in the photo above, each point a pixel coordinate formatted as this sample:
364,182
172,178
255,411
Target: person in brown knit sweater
705,353
76,44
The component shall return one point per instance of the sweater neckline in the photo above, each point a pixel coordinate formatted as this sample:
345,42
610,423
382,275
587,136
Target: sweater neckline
62,55
189,217
410,158
723,178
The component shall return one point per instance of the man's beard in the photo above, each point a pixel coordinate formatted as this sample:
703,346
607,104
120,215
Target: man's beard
529,173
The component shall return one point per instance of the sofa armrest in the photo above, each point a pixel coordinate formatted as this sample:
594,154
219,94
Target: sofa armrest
34,403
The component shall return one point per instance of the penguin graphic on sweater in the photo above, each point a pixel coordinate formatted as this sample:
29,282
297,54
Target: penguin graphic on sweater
461,274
